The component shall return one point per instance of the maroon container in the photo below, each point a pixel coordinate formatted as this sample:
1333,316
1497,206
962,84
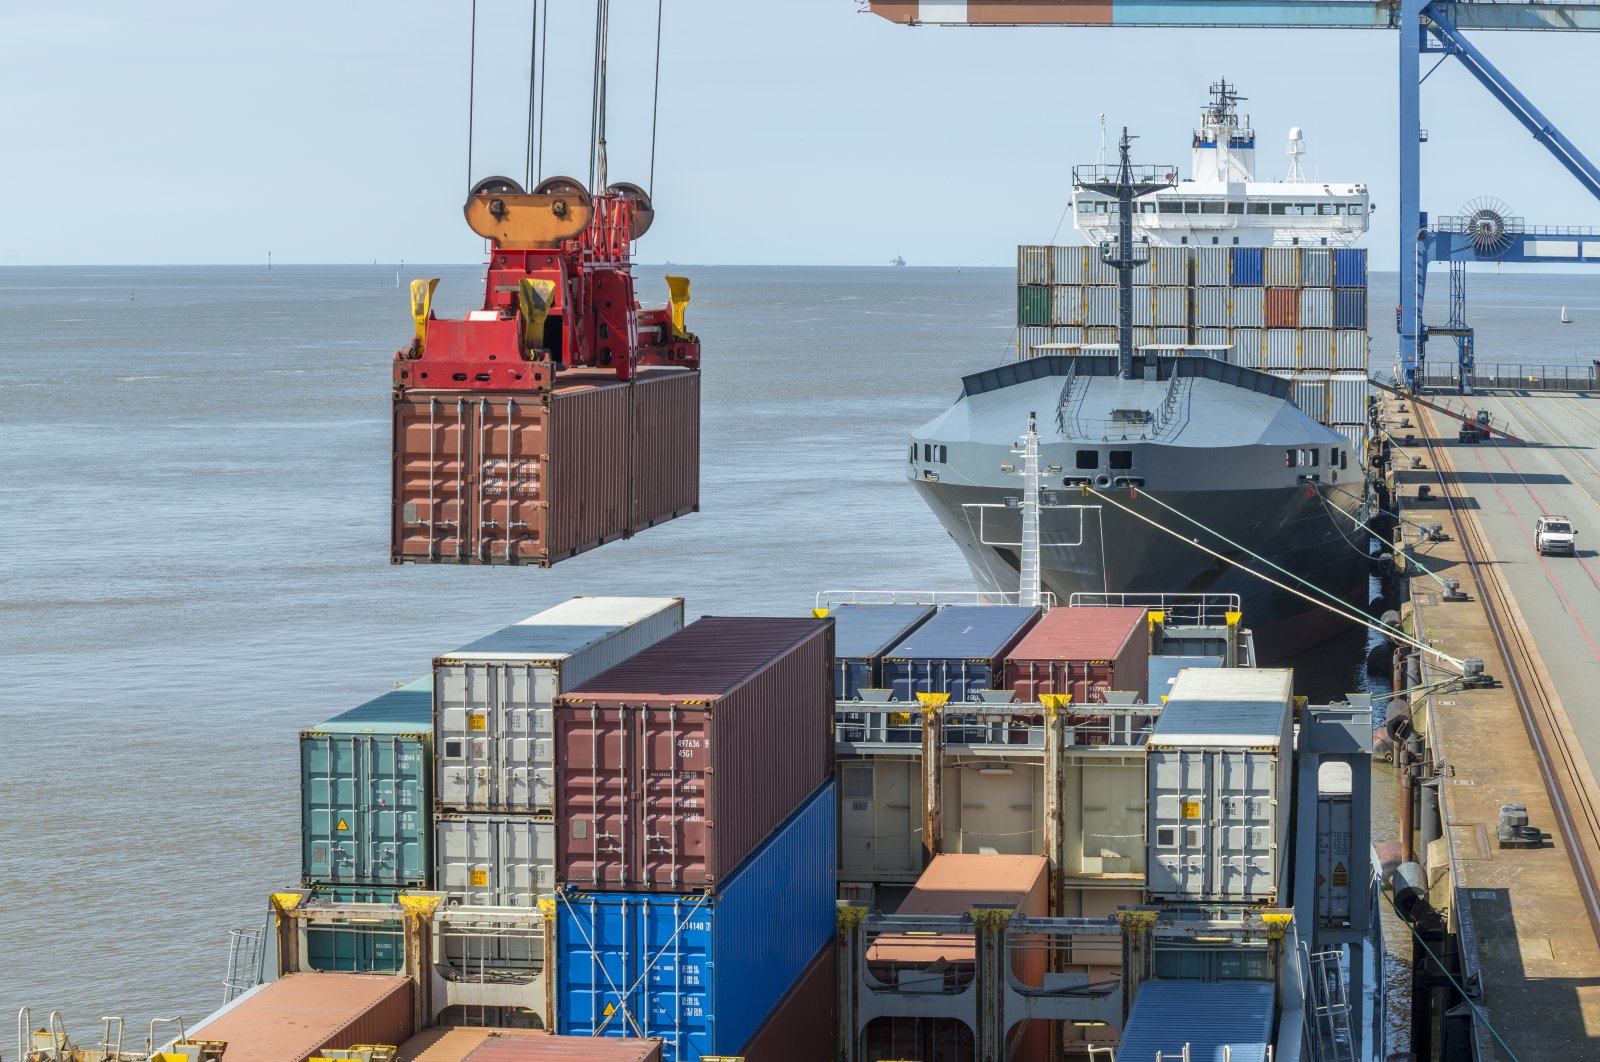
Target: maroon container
1084,652
674,766
484,477
805,1025
1282,308
302,1014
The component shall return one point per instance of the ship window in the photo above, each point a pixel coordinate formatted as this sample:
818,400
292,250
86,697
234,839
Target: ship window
1344,459
1215,240
927,451
1086,208
913,458
941,455
1213,208
1236,241
1121,459
1333,456
1260,208
1316,457
1147,208
1171,206
1191,208
1289,460
1325,208
1295,241
1236,207
1280,208
1088,459
1358,208
1183,239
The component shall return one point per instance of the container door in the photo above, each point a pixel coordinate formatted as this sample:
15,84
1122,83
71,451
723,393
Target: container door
1334,862
593,753
365,806
432,467
1179,834
671,848
496,860
396,806
524,769
1244,853
510,505
857,828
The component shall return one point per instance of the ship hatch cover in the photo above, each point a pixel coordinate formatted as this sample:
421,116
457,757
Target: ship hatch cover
1130,416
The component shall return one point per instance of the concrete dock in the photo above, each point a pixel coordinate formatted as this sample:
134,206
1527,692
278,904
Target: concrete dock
1518,934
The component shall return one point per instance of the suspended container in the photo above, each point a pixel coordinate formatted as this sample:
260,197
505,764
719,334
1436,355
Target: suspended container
959,652
1169,266
1316,348
1211,308
534,477
1100,307
1348,397
1281,308
364,792
1246,307
1066,305
1350,349
1086,652
1219,769
1245,267
675,765
702,972
1033,265
494,738
1033,306
1350,308
1281,267
1171,307
1350,267
1211,267
1316,308
1282,348
304,1015
862,634
494,860
1069,265
1316,267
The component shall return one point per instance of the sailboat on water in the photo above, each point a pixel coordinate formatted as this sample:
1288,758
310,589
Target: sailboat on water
1564,318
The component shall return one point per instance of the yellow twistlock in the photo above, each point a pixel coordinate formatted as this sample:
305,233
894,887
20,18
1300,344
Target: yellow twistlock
819,613
933,701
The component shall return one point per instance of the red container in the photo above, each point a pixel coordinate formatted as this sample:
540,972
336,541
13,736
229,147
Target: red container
674,766
592,460
302,1014
1282,308
805,1025
1084,652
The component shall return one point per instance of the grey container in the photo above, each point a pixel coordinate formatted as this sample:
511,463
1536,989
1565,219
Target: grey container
1347,393
1316,267
1069,265
1350,349
492,725
1219,777
1247,307
1171,307
1211,308
1033,265
1282,267
1316,307
1100,307
1068,334
1169,266
1249,347
494,860
1066,305
1098,272
1311,395
1101,337
1172,337
1282,349
1030,336
1211,267
1214,337
1143,307
1316,348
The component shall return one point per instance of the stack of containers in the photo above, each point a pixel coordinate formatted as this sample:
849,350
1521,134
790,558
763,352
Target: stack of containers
1084,653
365,820
698,834
961,652
494,785
862,635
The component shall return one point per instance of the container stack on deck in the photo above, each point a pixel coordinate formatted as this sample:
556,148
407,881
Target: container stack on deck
696,852
1297,312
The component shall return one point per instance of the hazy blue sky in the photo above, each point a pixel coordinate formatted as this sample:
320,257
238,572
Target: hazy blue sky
792,131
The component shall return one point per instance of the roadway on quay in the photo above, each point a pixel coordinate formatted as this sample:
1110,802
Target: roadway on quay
1509,487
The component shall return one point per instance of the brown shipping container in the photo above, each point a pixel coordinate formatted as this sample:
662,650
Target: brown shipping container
674,766
302,1014
1084,652
522,1045
591,461
804,1027
1282,308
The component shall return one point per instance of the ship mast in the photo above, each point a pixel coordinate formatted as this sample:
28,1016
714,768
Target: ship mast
1126,182
1028,589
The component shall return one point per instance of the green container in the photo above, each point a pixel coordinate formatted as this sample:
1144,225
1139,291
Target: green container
364,947
1033,305
365,801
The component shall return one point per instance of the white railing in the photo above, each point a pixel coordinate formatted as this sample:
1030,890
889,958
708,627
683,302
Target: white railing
1182,610
1018,727
939,598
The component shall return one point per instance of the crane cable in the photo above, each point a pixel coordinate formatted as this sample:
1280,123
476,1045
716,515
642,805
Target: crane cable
655,103
544,67
472,82
1344,611
533,71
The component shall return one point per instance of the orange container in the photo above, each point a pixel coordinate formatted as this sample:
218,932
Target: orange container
1282,308
302,1014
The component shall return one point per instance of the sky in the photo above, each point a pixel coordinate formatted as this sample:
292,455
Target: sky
789,131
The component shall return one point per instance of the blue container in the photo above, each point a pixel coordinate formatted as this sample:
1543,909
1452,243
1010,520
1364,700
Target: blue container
701,972
862,634
1350,269
1350,307
371,947
959,651
1206,1016
1245,269
365,803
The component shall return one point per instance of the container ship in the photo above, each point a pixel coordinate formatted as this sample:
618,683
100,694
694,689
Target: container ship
1202,370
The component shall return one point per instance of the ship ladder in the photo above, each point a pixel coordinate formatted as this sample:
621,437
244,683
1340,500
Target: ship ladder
246,949
1329,1008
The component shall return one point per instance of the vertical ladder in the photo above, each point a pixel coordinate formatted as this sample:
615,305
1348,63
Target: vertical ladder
1028,450
1329,1008
246,950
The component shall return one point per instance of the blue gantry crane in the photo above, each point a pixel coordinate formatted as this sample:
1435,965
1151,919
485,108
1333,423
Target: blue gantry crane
1427,27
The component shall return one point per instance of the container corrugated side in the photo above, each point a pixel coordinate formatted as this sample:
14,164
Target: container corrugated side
1100,273
1082,651
303,1014
1281,308
494,739
1350,308
1316,267
1281,268
953,884
1068,265
1249,347
374,946
1350,267
1245,267
1211,267
1211,308
1069,334
1032,336
1282,348
1316,348
1215,337
1170,266
1311,395
1347,394
1171,307
1246,307
804,1026
1316,308
960,651
494,860
702,971
1033,265
1171,336
1100,307
364,793
1033,305
442,1044
666,446
675,765
1143,306
1143,337
1216,1020
566,1049
1106,336
862,634
1067,305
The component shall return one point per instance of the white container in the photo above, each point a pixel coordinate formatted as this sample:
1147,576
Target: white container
1100,307
1143,306
1169,266
1068,334
1249,347
1316,268
1247,307
1213,337
1098,272
1311,395
1172,337
1347,393
1033,265
1316,348
1030,336
494,860
1356,434
1100,337
1282,267
1282,348
1219,776
493,735
1316,307
1068,265
1211,307
1066,305
1171,307
1336,863
1350,349
1211,267
1144,337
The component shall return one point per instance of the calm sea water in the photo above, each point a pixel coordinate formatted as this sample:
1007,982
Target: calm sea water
195,562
